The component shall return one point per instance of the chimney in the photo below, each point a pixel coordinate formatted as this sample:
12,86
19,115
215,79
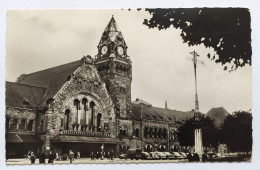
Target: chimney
166,104
137,99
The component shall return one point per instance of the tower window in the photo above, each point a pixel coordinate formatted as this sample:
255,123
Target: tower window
30,125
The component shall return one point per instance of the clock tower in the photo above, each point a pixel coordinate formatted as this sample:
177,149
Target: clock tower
115,68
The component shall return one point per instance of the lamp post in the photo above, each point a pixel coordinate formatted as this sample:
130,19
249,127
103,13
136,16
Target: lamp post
197,132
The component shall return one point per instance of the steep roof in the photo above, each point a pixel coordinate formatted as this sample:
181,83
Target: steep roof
218,114
52,79
23,96
155,113
112,26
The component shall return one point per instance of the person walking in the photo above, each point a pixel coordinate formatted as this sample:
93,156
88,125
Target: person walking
189,156
92,156
204,157
42,158
97,156
32,158
112,155
71,156
51,158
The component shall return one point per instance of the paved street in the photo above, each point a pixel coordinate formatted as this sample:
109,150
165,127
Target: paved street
89,161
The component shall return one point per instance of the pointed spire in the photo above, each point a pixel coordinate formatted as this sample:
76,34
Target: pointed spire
112,26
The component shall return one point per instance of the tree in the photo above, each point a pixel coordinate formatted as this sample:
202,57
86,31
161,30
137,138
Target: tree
226,30
210,133
236,131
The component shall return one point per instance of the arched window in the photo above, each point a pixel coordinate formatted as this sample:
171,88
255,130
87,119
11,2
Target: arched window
137,133
41,129
7,122
160,133
84,116
151,132
155,133
22,125
164,133
77,105
146,132
123,131
99,116
67,119
92,106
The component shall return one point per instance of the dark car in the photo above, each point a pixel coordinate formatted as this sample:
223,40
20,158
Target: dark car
134,154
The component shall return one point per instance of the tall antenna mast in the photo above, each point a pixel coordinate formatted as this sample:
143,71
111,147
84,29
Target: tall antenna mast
194,59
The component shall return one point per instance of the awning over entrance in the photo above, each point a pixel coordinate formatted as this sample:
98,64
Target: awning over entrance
85,139
22,138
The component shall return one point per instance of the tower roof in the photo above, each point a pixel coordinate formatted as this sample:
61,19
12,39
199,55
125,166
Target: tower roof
112,26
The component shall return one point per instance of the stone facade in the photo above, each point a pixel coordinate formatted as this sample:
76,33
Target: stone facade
92,105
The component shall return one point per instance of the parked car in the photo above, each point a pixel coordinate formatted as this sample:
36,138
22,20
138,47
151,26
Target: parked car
177,155
146,156
134,154
184,156
161,155
122,156
169,155
154,156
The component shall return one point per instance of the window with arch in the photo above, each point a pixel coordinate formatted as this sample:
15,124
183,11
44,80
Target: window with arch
77,105
155,133
123,131
99,116
160,133
7,122
67,119
92,108
146,132
137,132
22,125
85,109
151,132
14,124
164,133
41,127
30,125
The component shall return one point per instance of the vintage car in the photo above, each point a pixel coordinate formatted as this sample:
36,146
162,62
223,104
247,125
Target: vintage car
134,154
161,155
169,155
154,156
146,156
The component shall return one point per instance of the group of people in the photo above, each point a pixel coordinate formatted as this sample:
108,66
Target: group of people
42,157
195,157
98,155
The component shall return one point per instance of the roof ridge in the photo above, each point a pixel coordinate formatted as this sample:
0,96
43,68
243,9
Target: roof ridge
25,84
51,68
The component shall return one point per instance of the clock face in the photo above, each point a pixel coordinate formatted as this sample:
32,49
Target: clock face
120,50
104,50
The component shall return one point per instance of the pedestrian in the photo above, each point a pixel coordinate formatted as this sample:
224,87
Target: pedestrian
51,158
32,158
42,158
78,155
196,157
92,156
29,154
204,157
97,156
189,156
71,156
112,155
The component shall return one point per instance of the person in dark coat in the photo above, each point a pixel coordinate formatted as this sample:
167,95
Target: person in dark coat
204,157
112,155
42,158
97,156
92,156
32,158
51,158
189,156
196,157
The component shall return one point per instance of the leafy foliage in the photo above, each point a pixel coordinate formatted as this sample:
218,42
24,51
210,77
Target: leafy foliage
209,132
226,30
236,131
